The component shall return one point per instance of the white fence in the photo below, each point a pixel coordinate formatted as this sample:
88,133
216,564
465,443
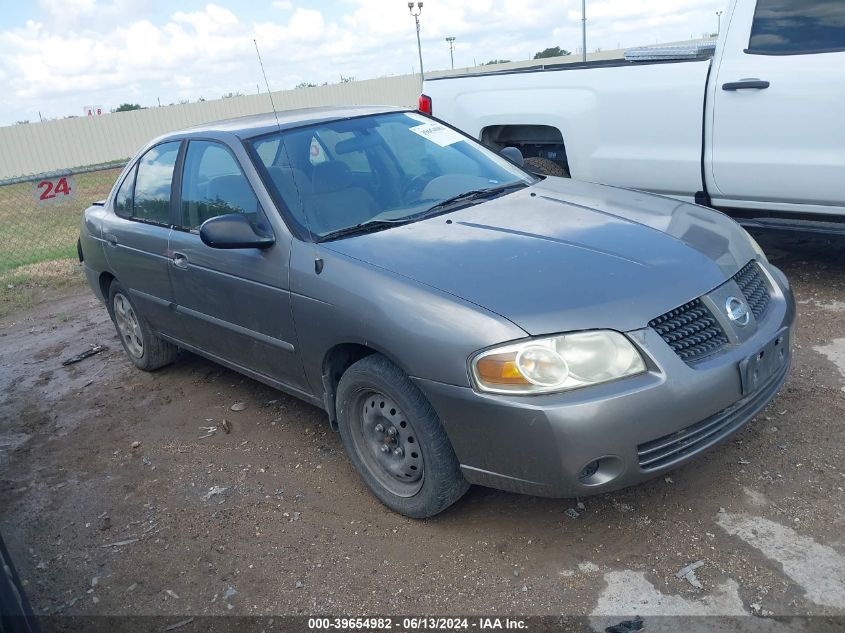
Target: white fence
36,148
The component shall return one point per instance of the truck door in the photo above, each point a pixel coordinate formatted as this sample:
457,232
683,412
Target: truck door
777,131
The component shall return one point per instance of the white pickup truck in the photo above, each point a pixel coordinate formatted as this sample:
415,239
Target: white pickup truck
754,126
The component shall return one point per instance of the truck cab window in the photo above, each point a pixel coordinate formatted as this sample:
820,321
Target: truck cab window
798,27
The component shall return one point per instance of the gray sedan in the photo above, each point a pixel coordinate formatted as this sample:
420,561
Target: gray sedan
460,320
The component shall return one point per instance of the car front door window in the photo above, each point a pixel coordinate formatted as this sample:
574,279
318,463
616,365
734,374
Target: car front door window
214,184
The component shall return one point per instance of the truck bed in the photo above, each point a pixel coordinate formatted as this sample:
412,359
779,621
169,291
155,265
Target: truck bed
614,143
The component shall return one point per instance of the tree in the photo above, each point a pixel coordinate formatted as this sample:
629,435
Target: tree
496,61
305,84
232,94
555,51
126,107
346,80
22,122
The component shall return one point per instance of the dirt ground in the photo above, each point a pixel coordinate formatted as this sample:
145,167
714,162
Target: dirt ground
111,503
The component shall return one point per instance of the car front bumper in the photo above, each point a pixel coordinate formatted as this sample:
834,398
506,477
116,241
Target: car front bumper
628,431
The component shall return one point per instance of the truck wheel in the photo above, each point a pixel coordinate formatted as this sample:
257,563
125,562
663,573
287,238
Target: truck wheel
546,167
144,349
395,440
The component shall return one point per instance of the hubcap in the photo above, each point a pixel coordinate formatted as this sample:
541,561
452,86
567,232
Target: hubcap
388,444
128,326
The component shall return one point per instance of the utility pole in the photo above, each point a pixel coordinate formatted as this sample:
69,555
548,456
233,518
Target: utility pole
417,20
451,41
719,22
584,28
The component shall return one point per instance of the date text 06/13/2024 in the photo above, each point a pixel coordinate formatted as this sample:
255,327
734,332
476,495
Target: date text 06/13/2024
416,623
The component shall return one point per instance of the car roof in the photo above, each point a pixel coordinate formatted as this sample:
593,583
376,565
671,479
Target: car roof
258,124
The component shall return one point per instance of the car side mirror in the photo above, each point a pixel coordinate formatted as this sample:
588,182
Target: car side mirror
234,230
514,155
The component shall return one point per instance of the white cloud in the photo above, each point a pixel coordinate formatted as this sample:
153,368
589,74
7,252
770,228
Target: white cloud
111,51
307,24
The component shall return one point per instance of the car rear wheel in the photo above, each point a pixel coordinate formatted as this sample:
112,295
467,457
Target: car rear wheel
395,440
145,349
545,166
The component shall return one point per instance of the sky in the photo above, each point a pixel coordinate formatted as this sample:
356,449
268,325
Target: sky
57,56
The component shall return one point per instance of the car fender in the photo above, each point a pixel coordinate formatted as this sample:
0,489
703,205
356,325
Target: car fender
428,333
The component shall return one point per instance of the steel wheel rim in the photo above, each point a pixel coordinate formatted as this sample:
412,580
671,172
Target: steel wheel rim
128,326
387,443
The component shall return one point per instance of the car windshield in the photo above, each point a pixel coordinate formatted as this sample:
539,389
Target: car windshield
367,173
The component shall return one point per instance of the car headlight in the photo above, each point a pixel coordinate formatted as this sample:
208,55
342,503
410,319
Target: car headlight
756,247
556,363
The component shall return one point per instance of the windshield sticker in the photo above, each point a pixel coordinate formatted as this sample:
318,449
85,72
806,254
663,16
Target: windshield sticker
437,133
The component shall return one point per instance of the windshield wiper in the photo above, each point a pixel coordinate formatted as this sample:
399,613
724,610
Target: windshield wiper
359,229
469,196
441,207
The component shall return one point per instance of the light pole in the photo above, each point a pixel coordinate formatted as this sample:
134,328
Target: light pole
584,29
451,41
417,20
719,22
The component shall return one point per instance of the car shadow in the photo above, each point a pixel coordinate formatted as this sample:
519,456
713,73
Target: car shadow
792,251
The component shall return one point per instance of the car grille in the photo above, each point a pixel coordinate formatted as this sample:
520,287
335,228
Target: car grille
691,331
753,286
674,447
694,333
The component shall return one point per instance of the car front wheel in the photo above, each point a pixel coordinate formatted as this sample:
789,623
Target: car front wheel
395,440
145,349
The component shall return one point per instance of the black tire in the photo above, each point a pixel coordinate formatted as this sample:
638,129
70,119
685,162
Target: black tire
144,349
546,167
426,479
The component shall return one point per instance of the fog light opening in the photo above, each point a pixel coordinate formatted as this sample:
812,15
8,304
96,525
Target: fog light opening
589,470
601,471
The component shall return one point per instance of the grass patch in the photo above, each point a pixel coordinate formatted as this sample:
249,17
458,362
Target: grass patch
26,286
31,232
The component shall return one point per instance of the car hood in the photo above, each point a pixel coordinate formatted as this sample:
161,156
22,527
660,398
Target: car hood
564,255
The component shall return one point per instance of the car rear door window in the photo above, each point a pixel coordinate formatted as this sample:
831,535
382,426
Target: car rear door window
798,27
123,199
213,184
153,183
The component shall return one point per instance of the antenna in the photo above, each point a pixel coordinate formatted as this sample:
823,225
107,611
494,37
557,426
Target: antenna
318,262
273,105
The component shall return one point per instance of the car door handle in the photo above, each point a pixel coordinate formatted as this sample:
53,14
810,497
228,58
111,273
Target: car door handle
180,260
746,84
111,240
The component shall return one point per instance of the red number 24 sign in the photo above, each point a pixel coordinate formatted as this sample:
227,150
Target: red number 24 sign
51,190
